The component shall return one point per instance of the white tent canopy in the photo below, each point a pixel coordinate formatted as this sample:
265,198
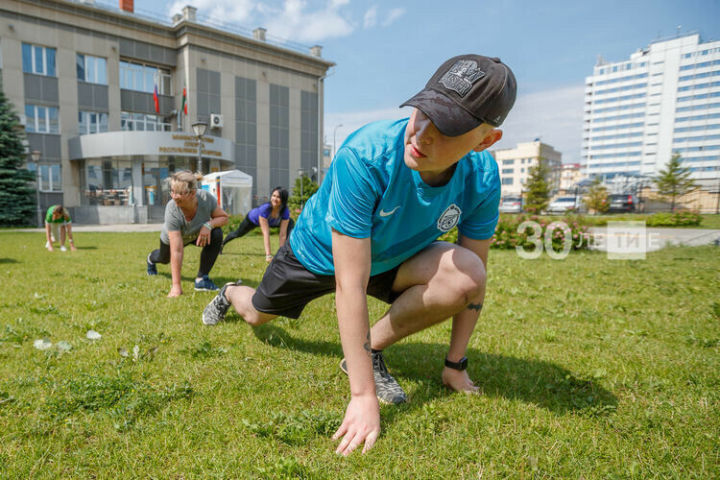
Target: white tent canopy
232,188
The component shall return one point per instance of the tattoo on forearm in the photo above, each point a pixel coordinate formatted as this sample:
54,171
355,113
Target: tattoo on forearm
475,306
366,345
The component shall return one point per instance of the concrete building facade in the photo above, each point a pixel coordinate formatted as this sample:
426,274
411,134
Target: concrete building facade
570,175
515,164
664,100
100,91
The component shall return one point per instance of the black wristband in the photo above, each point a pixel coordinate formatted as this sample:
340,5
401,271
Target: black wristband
461,365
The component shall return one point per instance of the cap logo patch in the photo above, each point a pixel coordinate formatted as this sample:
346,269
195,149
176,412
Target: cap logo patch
461,76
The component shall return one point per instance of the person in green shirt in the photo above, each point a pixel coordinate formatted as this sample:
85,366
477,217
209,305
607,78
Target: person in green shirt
58,225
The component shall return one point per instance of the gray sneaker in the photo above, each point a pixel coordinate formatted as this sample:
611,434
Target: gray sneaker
215,310
387,389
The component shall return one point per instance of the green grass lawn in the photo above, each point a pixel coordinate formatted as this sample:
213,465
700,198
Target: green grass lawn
589,369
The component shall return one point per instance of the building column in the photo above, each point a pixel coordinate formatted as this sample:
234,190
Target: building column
137,182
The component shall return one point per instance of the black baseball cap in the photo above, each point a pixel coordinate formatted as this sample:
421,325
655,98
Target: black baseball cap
465,92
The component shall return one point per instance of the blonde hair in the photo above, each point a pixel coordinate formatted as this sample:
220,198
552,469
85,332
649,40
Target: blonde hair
184,181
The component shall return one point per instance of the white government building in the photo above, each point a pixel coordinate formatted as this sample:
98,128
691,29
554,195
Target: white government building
99,88
664,100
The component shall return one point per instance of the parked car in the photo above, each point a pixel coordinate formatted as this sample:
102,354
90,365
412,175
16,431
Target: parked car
622,202
511,205
562,205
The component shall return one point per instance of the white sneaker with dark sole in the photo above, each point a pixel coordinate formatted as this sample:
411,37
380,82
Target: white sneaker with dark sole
215,311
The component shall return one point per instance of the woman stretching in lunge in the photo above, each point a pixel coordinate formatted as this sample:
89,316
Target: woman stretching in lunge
272,214
191,216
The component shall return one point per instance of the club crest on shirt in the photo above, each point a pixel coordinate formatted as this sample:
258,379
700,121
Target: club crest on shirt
449,218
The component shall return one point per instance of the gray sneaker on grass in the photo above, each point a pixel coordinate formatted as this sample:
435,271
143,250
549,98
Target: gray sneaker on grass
215,311
387,389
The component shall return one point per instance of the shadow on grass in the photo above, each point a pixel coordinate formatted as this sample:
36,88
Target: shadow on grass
531,381
89,247
219,281
8,260
242,253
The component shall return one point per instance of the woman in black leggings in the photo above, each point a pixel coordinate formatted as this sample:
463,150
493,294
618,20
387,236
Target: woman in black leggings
274,213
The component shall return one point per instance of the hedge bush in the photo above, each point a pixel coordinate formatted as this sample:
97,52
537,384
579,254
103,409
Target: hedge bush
681,218
508,235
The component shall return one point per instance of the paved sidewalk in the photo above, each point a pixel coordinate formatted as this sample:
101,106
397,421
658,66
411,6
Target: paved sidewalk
658,238
130,227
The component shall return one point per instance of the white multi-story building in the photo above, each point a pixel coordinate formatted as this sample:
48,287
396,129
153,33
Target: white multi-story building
515,164
664,100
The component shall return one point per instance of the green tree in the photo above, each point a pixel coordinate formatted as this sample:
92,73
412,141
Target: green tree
303,189
674,181
597,197
17,193
538,188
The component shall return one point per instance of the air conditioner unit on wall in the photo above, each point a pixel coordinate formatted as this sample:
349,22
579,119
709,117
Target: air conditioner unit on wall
216,120
22,119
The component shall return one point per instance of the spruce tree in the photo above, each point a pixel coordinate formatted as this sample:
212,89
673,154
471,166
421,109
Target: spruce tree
674,181
304,189
17,187
538,188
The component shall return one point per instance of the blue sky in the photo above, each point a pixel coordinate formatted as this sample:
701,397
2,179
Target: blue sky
386,50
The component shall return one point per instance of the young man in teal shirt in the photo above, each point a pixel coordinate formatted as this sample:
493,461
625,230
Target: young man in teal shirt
392,189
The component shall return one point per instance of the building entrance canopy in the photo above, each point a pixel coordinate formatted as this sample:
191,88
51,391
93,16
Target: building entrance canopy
126,144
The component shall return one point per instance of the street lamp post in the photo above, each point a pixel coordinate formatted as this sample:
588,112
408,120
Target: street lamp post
334,132
35,155
717,205
199,128
302,196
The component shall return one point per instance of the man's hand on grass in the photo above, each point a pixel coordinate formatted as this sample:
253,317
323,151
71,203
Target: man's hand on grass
361,424
175,292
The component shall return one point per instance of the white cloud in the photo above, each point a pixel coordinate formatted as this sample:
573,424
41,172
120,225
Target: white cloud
351,121
370,19
553,115
394,14
240,11
290,20
298,24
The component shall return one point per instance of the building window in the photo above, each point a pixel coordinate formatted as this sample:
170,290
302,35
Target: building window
141,122
508,171
38,60
92,122
41,119
107,182
143,78
92,69
50,177
508,162
507,181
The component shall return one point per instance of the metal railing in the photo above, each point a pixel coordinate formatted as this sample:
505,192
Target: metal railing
206,20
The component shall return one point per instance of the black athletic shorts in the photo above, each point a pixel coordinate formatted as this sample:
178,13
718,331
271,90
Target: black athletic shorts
288,286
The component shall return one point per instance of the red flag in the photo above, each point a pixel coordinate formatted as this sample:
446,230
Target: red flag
157,100
184,101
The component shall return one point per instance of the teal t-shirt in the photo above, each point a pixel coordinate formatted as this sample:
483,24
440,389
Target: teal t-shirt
370,192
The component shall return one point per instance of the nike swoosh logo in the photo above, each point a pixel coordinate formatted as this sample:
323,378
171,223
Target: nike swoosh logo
383,213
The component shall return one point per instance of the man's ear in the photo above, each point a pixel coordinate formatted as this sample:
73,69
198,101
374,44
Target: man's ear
490,139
